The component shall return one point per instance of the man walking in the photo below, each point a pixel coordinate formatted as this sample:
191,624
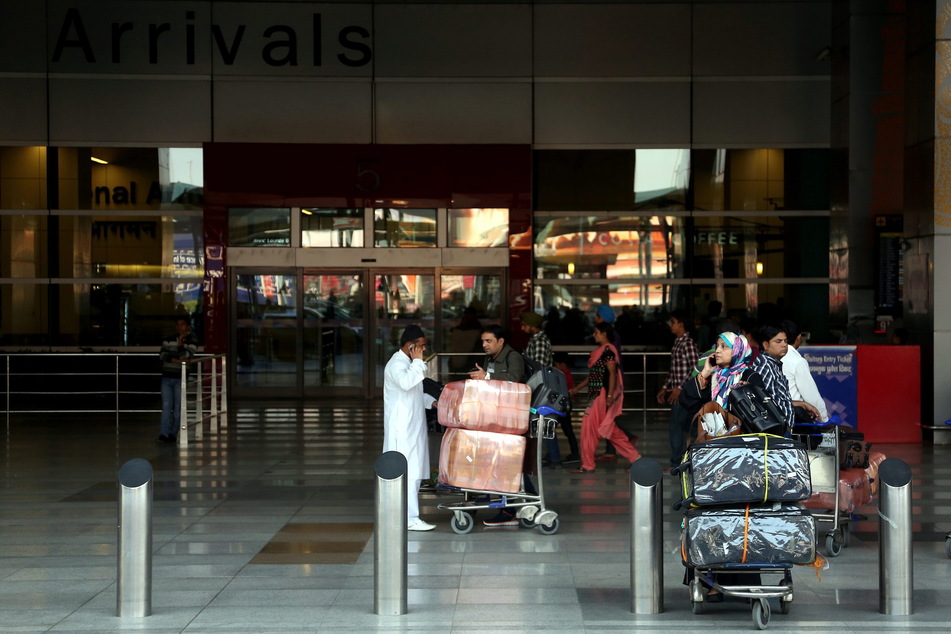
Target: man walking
176,349
404,417
683,356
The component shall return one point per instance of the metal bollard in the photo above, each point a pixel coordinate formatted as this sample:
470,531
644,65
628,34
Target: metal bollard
895,561
389,538
134,578
895,550
647,537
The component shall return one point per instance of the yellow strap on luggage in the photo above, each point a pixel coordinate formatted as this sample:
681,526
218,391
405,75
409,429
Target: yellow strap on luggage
746,533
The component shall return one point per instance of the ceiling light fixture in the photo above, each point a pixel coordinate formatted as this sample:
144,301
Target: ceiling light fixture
98,160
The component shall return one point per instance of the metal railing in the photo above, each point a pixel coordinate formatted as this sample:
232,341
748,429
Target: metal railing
108,383
210,395
644,373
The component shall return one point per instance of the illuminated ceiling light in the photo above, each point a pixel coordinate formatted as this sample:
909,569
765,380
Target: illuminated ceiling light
759,268
571,268
399,202
98,160
307,212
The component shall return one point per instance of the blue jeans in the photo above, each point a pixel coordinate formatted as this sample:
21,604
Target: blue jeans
171,406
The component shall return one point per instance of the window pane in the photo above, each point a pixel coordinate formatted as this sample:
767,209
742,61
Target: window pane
128,178
23,246
331,227
259,227
607,246
333,330
478,227
764,179
577,180
404,227
95,315
640,308
760,246
23,178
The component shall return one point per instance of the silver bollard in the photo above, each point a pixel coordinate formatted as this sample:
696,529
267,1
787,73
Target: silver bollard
647,537
389,538
895,550
134,578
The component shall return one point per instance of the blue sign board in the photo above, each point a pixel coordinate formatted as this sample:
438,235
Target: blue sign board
834,369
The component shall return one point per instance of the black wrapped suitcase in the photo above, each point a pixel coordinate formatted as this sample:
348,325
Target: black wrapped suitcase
761,534
748,469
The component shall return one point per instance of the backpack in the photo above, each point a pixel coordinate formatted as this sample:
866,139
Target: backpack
548,385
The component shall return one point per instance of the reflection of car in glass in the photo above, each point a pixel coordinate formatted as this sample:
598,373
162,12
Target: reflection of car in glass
319,329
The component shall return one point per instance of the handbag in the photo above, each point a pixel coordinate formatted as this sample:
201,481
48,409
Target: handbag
732,425
756,409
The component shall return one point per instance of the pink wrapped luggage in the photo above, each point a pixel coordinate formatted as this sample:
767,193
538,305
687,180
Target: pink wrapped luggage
875,458
481,460
855,490
493,406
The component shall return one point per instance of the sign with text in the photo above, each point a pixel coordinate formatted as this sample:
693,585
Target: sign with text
834,369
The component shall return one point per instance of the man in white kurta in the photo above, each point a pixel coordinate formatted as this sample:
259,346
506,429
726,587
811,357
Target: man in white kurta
404,417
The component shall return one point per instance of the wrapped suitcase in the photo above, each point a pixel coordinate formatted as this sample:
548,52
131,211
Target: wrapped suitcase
855,490
875,458
481,460
774,533
754,468
493,406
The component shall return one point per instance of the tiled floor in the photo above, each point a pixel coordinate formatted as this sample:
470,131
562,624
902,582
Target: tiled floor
267,527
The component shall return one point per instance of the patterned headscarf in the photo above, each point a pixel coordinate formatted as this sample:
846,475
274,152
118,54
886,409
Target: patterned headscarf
725,379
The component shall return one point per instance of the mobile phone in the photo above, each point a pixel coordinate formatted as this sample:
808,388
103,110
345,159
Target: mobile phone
412,346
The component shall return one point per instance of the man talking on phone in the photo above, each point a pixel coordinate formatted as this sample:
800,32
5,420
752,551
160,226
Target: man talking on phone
404,417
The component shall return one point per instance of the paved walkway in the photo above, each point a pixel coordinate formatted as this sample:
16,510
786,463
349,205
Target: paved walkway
267,527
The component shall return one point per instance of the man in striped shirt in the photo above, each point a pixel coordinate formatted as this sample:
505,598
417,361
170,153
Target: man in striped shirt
683,356
772,342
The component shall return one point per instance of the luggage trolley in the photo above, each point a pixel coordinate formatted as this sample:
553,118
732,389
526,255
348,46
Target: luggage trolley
758,594
532,511
824,467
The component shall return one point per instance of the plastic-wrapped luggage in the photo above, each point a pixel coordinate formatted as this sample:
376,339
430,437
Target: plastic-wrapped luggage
774,533
875,458
481,460
493,406
855,490
755,468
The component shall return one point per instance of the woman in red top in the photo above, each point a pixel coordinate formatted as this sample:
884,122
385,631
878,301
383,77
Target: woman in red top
605,399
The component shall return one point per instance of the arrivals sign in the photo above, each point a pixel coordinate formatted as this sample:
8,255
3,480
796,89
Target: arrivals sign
188,37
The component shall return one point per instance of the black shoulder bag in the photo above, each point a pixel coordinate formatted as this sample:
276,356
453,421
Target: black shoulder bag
760,415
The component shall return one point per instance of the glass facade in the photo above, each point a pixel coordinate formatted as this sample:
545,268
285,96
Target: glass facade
99,246
102,246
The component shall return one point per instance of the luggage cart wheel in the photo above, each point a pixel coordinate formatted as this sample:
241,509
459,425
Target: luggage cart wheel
462,523
784,605
846,534
526,523
833,545
550,529
948,545
761,614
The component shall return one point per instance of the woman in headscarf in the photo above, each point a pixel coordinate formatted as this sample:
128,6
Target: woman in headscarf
724,369
605,387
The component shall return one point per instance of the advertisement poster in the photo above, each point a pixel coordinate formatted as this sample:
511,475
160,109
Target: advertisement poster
834,369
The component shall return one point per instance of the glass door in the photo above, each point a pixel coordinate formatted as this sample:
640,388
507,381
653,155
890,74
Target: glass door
266,340
334,332
469,301
400,299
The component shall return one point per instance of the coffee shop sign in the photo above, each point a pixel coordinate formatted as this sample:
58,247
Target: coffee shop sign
723,238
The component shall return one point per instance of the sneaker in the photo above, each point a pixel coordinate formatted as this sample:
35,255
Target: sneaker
420,525
502,519
570,459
